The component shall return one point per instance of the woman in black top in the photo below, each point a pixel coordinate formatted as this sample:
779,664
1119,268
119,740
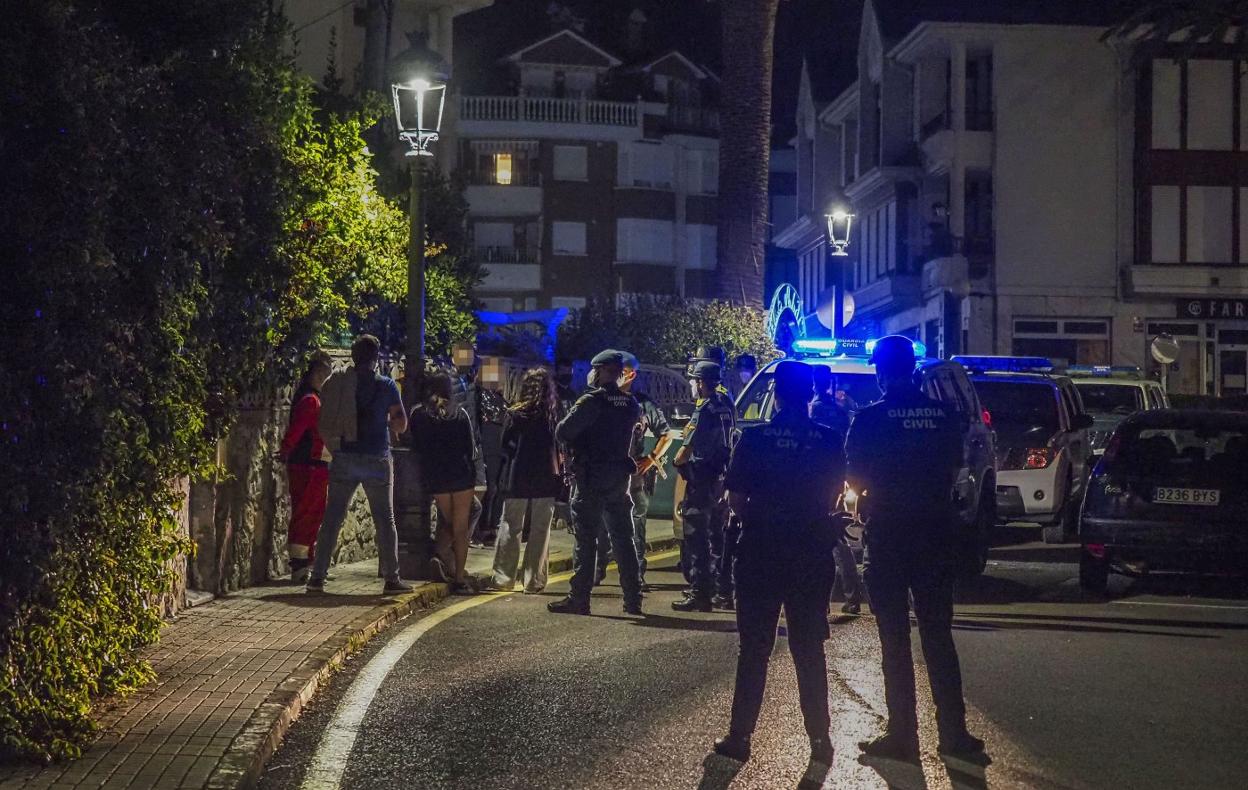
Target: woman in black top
531,479
443,438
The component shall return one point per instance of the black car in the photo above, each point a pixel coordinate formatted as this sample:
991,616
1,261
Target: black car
1169,494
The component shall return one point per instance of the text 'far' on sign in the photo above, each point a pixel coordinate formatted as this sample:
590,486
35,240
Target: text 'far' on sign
1213,308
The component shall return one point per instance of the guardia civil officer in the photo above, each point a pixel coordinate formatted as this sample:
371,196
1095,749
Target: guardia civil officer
598,431
783,482
903,454
702,461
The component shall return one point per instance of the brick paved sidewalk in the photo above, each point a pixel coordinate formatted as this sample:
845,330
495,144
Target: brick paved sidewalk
232,674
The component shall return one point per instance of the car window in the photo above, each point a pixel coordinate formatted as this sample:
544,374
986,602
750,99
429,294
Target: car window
853,389
1071,405
953,393
967,392
1110,398
1212,455
1021,410
1156,398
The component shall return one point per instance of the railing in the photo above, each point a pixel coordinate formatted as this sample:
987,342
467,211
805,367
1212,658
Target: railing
540,109
504,255
519,178
691,119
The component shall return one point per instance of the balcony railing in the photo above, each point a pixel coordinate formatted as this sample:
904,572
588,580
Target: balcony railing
518,179
504,255
537,109
698,120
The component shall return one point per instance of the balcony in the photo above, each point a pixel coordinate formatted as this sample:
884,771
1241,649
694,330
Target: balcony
518,178
947,273
496,200
484,113
888,294
681,119
510,271
504,255
1188,280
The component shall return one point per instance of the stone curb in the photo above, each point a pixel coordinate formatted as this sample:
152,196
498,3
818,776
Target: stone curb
244,761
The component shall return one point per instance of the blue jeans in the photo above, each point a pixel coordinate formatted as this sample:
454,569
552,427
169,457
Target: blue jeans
347,472
589,511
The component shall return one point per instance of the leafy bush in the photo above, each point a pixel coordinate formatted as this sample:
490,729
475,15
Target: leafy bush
178,224
665,330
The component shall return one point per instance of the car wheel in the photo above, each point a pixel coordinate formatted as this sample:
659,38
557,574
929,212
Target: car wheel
1062,530
1093,574
985,523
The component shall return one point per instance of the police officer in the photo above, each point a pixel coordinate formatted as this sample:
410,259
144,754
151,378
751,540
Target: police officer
782,482
599,430
903,454
702,461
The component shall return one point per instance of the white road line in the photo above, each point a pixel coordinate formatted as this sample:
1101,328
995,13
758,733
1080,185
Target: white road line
1184,605
330,760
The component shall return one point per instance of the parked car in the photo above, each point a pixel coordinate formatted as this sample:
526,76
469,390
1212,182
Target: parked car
1111,394
1169,494
1041,441
945,381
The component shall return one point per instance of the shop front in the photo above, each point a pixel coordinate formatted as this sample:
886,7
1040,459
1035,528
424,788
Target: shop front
1213,346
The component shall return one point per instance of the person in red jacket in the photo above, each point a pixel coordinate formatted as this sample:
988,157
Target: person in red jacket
307,467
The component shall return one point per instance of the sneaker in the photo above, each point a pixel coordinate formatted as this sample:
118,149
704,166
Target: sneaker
301,575
734,747
600,577
962,744
315,586
821,751
851,607
723,602
462,588
567,606
693,603
534,591
437,569
892,746
396,586
633,608
645,588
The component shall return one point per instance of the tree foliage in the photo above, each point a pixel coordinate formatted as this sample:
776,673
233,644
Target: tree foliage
178,225
665,330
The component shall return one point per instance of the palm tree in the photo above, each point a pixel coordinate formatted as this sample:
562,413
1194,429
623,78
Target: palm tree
748,27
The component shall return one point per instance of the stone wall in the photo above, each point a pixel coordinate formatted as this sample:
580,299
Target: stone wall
239,522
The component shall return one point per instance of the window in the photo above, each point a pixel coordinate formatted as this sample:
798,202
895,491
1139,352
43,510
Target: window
502,169
644,241
1167,99
1208,224
497,304
1210,123
567,238
1081,341
649,165
1165,224
700,250
979,92
570,302
701,172
571,163
978,213
493,239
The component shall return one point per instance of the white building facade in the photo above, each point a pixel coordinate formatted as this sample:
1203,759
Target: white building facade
1028,188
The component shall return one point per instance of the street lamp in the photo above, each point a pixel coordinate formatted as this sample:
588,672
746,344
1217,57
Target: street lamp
840,222
418,78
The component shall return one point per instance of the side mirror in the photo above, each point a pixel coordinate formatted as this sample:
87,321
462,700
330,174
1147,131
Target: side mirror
1081,422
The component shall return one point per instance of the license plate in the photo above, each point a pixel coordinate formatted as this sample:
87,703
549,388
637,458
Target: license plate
1187,496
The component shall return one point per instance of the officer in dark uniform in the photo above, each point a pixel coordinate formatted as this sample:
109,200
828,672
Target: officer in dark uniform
702,461
903,454
783,482
599,432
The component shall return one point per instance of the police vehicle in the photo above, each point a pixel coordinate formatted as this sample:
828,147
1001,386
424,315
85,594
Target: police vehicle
855,385
1042,449
1111,394
1170,493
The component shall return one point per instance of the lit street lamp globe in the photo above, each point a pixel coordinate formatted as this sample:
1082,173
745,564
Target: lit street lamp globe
839,223
418,78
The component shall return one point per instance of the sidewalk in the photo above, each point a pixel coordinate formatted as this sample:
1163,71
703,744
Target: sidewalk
232,674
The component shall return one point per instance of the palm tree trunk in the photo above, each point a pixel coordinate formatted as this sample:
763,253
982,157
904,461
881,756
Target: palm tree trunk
744,148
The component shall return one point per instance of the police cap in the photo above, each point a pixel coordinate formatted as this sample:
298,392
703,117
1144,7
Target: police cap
630,361
893,354
709,354
704,371
794,380
608,357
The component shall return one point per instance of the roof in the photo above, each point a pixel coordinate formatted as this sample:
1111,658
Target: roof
1014,377
899,17
560,44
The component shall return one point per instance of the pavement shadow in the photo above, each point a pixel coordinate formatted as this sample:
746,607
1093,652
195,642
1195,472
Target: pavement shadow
1152,622
814,777
653,620
327,600
718,772
897,775
1057,625
967,774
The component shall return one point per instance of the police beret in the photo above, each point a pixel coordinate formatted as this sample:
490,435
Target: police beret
794,377
704,371
608,357
629,360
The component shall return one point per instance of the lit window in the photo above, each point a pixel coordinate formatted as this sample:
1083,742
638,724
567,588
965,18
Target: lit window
502,169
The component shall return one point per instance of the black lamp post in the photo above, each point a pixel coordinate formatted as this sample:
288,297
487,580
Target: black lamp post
840,222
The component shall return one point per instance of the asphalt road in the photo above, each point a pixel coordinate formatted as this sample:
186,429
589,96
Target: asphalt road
1145,689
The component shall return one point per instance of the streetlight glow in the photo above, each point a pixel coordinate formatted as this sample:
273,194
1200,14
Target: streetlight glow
840,222
418,89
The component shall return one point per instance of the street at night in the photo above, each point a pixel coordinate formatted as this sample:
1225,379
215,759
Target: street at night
1144,689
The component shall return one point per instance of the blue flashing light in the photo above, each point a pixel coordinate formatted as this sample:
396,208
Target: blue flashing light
846,347
1006,364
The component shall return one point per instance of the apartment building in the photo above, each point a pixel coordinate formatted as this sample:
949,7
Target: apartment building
1022,186
591,167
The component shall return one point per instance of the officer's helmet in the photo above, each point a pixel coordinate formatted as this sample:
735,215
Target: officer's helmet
894,356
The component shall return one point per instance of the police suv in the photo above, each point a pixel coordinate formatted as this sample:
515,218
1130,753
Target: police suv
1111,394
1043,451
855,385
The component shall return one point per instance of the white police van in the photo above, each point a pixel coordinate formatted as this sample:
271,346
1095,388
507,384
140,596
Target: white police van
1043,450
855,385
1111,393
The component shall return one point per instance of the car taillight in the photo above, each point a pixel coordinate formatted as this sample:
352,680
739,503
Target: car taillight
1038,457
987,415
1097,550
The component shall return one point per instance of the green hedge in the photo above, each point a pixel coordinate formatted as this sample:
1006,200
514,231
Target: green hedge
179,224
